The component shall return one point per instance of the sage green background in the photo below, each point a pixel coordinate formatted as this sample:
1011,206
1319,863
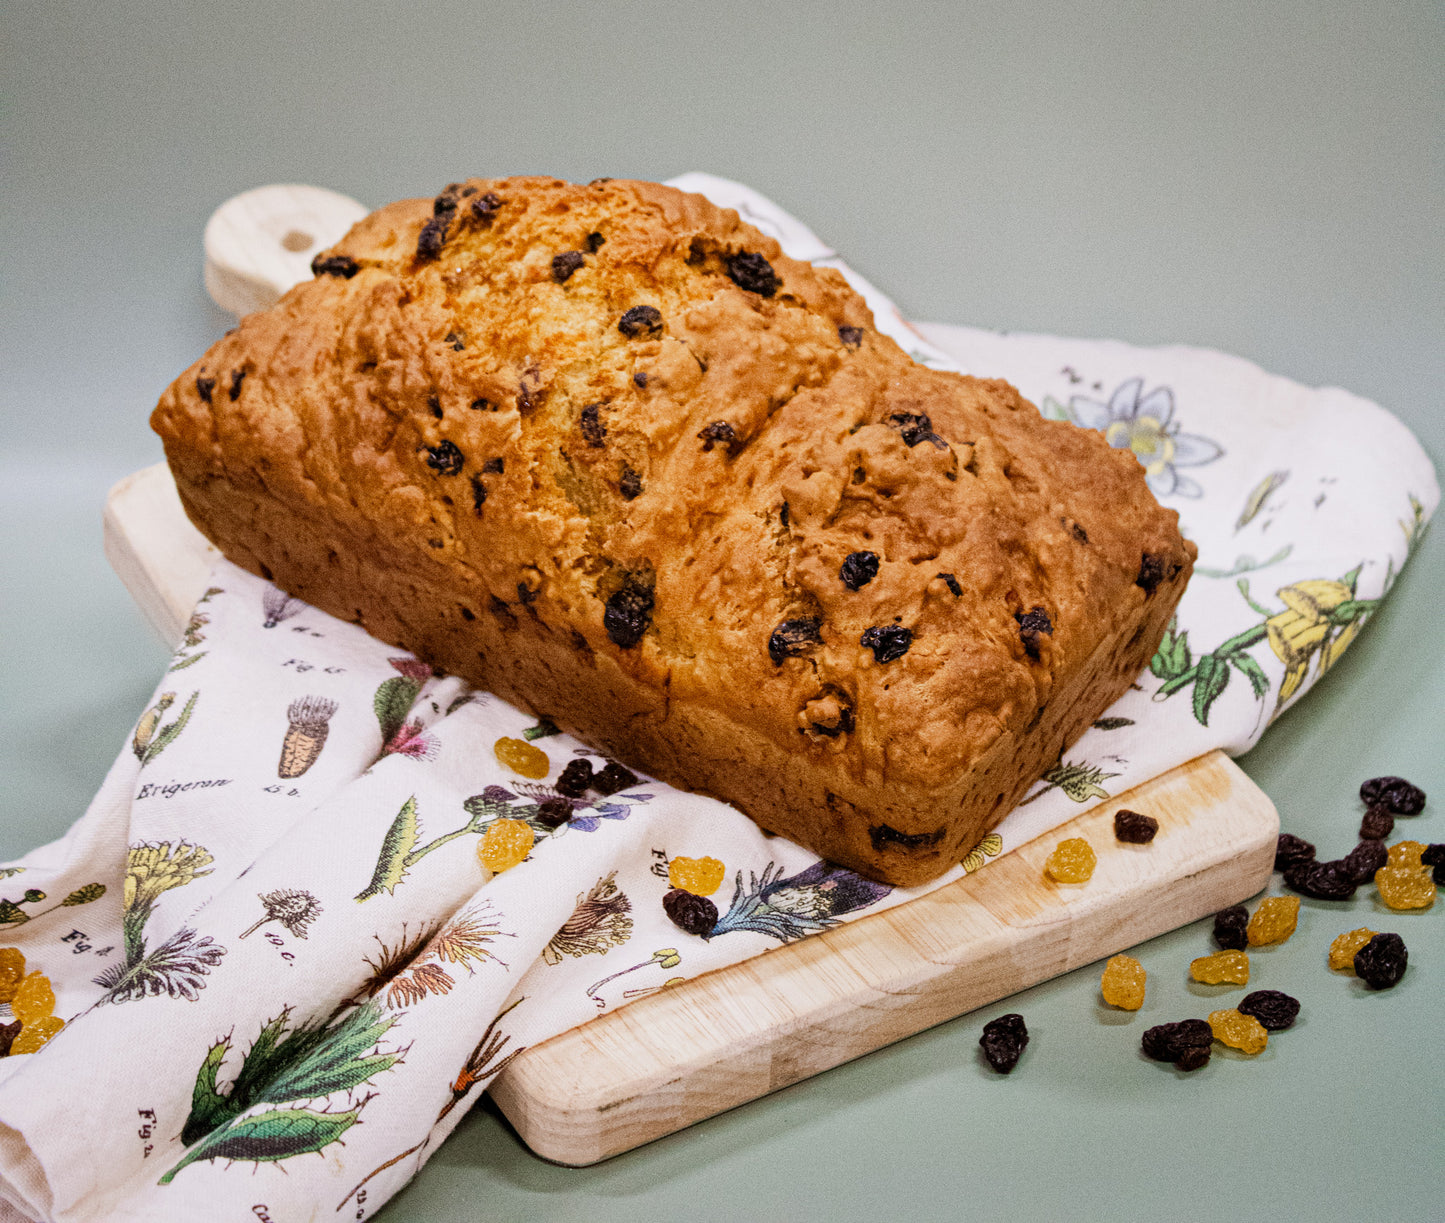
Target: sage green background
1262,177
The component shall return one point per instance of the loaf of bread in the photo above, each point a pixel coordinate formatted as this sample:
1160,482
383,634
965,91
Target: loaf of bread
608,453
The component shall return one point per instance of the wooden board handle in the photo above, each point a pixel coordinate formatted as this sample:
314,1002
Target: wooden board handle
260,243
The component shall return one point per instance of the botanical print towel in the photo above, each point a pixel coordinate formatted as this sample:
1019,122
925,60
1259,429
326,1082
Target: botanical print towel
324,895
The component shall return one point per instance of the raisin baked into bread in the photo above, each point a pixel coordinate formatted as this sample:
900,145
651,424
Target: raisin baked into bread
606,452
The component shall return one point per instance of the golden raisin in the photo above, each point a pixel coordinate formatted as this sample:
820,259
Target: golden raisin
700,876
1221,968
34,999
12,969
1072,861
1405,853
1342,950
1123,982
505,843
1274,920
1405,887
1243,1032
35,1035
522,757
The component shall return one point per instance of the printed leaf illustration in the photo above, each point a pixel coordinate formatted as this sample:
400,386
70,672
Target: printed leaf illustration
185,661
802,904
1079,781
1211,676
544,729
1172,657
167,734
278,1133
398,844
84,895
1258,680
1113,723
393,701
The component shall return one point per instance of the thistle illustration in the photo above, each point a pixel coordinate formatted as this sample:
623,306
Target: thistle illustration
413,969
309,719
278,606
151,738
667,957
806,903
295,910
285,1069
599,922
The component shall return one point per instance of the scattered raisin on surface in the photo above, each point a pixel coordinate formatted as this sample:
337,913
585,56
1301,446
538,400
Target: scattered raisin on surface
1003,1041
1169,1042
1342,950
639,380
494,467
1321,880
8,1033
889,642
628,613
433,235
1291,850
1365,859
1193,1058
1221,968
1033,624
565,264
794,638
456,342
592,427
479,493
204,387
575,779
1123,982
1134,828
858,569
444,458
237,377
553,812
915,427
752,272
1073,861
485,207
1238,1031
1377,824
718,431
1433,855
335,265
1405,887
1275,1010
689,912
1273,921
630,486
612,778
1381,962
851,336
641,320
1397,795
1151,572
1405,853
952,583
1230,927
594,242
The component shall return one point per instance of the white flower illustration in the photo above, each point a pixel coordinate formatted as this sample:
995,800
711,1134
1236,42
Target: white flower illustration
1145,424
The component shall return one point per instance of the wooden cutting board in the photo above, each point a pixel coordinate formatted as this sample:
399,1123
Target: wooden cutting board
720,1040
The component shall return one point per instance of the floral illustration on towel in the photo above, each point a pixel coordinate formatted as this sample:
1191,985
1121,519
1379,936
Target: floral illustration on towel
11,914
309,722
400,735
278,606
990,847
416,967
178,966
285,1070
295,909
192,635
1081,782
600,922
151,738
665,958
1145,424
806,903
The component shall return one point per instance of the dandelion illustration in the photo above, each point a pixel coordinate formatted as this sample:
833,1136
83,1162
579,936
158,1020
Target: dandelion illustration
278,606
293,909
151,738
598,923
667,957
309,719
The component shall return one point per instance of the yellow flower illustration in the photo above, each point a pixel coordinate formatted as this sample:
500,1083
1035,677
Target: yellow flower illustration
154,869
991,846
1304,629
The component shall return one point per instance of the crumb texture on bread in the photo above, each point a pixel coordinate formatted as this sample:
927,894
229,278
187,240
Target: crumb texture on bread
606,451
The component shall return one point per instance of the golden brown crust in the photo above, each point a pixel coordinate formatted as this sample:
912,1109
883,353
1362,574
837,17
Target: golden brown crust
471,447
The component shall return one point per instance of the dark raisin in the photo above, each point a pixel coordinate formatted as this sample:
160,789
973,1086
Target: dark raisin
1381,962
1229,928
502,611
8,1033
526,594
1377,824
479,493
565,264
204,387
689,912
455,341
1003,1041
592,427
641,320
444,458
483,405
1079,533
794,638
237,377
889,642
1151,572
1433,855
718,431
612,778
494,467
915,428
783,515
529,393
1396,794
1133,827
1168,1042
1194,1057
952,583
752,272
1321,880
851,336
574,779
1291,850
628,613
630,485
1365,859
447,201
1274,1010
639,380
484,209
553,812
594,242
883,835
335,265
435,404
859,569
433,234
1033,624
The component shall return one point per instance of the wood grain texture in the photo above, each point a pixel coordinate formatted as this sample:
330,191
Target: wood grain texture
710,1044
